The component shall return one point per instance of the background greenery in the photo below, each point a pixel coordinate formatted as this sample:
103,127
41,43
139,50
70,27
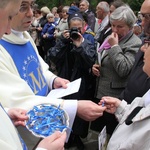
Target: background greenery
134,4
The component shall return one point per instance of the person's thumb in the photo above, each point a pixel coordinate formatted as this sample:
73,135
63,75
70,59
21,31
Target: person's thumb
54,136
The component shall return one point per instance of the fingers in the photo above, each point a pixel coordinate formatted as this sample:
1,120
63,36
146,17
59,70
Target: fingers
93,116
96,66
54,136
95,70
66,34
19,123
60,82
96,113
55,141
64,83
63,137
113,39
61,141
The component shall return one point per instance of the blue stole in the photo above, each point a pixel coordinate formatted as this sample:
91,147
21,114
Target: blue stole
28,66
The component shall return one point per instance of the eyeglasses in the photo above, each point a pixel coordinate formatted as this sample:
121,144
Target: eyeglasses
146,43
146,16
24,8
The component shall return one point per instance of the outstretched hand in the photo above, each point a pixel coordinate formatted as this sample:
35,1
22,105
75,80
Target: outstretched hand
89,110
110,103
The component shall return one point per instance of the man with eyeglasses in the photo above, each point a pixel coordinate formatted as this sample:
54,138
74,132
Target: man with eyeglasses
25,77
138,82
146,16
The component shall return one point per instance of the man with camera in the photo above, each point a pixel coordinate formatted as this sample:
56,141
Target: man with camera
74,56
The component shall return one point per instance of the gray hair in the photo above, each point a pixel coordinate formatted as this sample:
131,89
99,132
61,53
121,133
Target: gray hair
66,8
125,14
87,2
49,15
117,3
74,19
104,5
45,10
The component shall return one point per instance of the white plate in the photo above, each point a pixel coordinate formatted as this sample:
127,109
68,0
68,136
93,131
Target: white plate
45,119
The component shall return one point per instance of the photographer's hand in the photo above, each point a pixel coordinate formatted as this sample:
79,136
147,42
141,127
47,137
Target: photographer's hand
66,34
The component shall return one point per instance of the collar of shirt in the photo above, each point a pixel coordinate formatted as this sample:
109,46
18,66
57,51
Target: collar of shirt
18,33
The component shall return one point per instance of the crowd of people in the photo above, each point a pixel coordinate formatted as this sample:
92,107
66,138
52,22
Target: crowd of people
43,49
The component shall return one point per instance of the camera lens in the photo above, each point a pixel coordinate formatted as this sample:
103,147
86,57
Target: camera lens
74,35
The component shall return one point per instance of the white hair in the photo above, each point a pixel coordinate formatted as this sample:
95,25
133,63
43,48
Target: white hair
49,15
104,5
124,13
87,2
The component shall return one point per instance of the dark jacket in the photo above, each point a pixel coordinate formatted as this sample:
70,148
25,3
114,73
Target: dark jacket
91,19
89,35
49,29
42,22
138,83
74,62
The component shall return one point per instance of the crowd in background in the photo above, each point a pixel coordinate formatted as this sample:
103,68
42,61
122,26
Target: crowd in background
54,27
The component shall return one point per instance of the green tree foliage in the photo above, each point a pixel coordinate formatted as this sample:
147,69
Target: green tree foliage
134,4
53,3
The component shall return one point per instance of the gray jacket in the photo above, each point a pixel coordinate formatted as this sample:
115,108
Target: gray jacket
116,65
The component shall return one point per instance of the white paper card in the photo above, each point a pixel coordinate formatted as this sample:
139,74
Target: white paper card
102,137
72,87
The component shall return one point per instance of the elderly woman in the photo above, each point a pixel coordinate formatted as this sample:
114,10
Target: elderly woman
117,56
48,32
63,24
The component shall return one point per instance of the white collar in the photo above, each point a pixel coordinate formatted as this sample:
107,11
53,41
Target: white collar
18,33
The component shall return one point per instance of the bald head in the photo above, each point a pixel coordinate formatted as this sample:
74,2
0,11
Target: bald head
145,9
4,3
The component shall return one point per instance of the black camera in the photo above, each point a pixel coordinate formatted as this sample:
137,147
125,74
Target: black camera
74,33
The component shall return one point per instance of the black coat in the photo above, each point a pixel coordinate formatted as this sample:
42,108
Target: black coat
75,62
